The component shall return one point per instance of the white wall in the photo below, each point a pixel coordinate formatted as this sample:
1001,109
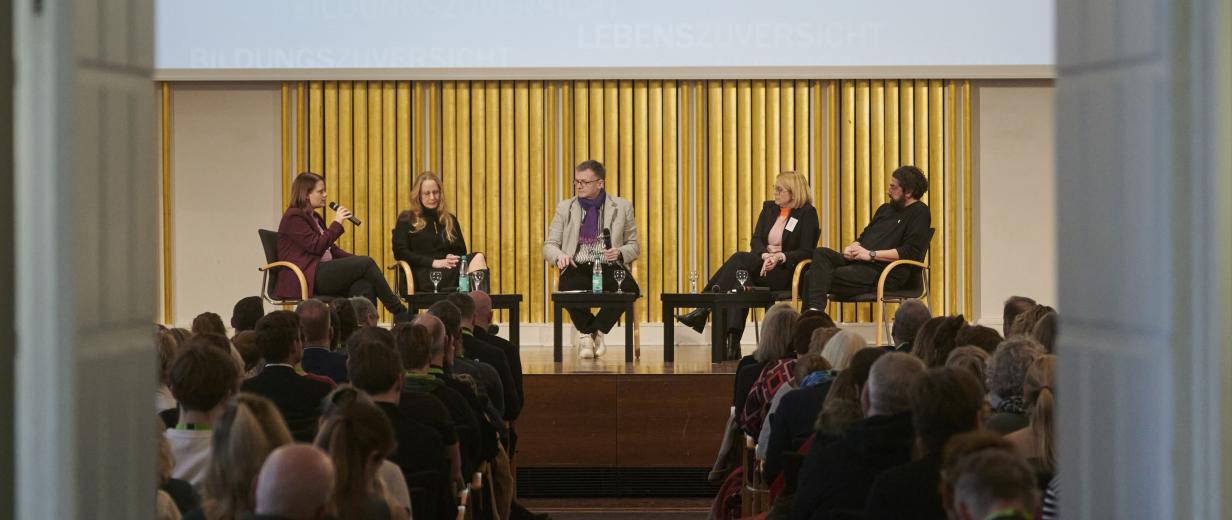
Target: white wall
226,153
1015,203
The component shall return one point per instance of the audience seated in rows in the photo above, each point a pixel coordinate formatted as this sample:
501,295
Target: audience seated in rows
986,338
482,322
507,402
319,357
1006,373
1036,440
459,401
773,345
295,483
358,437
297,397
247,431
775,372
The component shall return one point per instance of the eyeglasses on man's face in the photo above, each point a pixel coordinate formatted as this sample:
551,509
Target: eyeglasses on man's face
580,182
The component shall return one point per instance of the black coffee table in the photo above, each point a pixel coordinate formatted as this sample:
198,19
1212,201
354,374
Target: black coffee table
509,302
717,303
560,300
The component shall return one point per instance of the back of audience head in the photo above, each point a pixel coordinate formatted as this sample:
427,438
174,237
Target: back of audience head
483,309
961,447
850,382
1008,367
416,346
248,430
365,311
826,320
986,338
450,317
466,307
436,328
180,334
246,312
168,349
201,378
295,482
1045,332
803,334
841,347
933,344
910,315
358,436
1014,306
208,323
889,384
1025,322
995,482
370,335
347,321
314,321
217,342
374,367
945,402
821,336
246,344
776,333
1039,396
807,364
278,337
973,360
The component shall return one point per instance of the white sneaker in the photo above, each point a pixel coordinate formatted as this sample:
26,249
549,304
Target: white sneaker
600,347
585,346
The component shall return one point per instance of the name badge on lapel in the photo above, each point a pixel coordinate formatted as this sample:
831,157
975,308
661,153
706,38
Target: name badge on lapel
791,224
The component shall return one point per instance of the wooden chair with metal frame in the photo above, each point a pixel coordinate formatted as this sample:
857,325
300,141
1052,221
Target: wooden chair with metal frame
402,272
269,242
628,320
915,287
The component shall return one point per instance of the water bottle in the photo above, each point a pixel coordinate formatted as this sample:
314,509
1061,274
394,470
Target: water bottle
464,279
596,276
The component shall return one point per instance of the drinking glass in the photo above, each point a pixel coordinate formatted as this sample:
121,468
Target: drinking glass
478,276
692,281
436,278
742,276
619,275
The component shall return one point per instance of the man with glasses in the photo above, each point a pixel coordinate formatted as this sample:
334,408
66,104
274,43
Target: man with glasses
576,238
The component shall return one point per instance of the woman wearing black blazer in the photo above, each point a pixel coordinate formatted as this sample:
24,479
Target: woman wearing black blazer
786,233
428,237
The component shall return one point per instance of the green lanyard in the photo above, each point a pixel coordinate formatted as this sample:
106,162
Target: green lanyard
193,426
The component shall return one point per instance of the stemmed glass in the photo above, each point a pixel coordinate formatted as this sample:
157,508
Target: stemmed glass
742,276
478,279
619,275
436,278
692,281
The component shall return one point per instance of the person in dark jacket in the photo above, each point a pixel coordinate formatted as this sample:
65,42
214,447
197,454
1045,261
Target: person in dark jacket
786,233
835,477
428,237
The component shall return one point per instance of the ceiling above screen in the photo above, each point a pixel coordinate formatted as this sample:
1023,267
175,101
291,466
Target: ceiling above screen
544,39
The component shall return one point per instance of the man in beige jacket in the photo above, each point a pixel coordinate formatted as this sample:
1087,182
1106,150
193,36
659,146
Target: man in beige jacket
577,238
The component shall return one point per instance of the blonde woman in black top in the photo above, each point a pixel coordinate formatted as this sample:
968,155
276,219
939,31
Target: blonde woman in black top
428,237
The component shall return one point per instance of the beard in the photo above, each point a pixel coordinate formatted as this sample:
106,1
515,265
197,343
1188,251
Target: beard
898,203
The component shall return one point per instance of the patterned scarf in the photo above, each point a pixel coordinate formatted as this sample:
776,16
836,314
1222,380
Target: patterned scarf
1012,404
589,231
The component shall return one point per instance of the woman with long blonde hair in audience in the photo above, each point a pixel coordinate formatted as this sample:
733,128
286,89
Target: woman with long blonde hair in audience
248,430
1037,441
359,437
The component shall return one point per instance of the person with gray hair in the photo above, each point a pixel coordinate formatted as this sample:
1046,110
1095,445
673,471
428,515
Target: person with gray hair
1006,372
365,311
837,476
996,482
907,320
295,483
841,347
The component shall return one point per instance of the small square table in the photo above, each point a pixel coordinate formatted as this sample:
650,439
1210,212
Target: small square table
717,303
560,300
509,302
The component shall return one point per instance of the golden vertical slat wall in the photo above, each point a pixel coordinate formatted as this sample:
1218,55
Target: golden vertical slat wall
696,158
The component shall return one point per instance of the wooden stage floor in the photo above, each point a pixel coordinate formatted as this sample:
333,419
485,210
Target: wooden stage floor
690,359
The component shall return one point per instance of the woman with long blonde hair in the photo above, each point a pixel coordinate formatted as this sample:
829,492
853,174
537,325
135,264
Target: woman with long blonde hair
429,238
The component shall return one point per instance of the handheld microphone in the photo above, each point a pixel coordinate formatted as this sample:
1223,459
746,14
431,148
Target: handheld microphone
352,218
607,238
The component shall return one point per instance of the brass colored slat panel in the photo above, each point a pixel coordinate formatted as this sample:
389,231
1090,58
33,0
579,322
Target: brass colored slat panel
316,141
626,138
641,171
967,209
761,178
773,141
403,140
862,151
906,118
596,110
566,142
492,181
481,172
611,137
537,203
802,128
359,187
419,130
672,238
921,127
301,127
655,187
329,166
817,170
730,208
376,161
700,208
937,203
521,112
787,125
164,107
847,130
833,175
951,197
744,163
346,155
553,153
688,190
286,116
389,177
892,161
449,137
458,194
436,149
581,121
877,143
508,264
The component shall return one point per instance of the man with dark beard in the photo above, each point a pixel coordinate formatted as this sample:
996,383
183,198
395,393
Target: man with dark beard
899,230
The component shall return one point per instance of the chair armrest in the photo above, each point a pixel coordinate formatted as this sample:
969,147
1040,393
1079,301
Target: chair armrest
402,270
795,282
885,273
303,282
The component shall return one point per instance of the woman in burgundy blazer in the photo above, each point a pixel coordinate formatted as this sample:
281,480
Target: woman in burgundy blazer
304,240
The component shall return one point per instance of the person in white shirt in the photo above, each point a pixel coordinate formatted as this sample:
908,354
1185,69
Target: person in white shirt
201,379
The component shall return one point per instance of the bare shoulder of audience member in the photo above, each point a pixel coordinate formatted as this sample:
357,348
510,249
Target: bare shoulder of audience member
208,323
986,338
296,482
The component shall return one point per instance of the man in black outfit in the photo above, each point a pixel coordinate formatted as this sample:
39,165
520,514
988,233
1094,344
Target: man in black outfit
298,398
477,349
899,230
835,477
314,319
944,403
